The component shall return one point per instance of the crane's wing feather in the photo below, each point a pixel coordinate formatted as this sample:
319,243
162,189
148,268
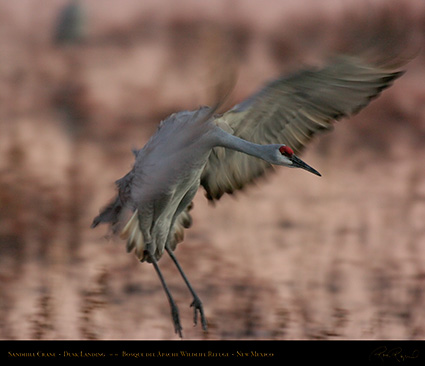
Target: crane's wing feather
291,110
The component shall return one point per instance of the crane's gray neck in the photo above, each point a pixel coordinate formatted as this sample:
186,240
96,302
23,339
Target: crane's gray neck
229,141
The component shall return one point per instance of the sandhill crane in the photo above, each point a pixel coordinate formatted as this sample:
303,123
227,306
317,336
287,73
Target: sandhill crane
225,152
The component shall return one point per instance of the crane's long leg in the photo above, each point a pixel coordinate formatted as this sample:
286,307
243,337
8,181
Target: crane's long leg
196,303
174,309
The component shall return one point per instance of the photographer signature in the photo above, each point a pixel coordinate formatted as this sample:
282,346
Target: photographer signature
396,353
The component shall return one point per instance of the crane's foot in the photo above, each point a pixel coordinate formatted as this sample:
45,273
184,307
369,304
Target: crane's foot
176,320
196,303
197,307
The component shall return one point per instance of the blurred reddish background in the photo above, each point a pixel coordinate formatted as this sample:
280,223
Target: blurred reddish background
297,257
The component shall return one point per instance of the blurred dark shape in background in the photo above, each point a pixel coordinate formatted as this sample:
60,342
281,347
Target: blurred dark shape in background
83,83
71,27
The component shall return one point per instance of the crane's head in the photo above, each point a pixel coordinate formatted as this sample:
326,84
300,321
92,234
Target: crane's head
289,159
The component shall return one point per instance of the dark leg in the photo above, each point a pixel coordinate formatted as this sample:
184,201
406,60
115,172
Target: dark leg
174,309
197,304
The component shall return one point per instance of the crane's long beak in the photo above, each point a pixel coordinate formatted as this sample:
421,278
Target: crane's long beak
298,163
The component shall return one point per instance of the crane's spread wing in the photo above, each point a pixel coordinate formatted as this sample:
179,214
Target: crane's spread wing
291,110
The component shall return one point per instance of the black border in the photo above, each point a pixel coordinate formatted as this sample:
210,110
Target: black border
289,352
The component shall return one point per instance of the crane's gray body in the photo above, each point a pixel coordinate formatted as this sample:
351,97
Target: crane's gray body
167,176
161,168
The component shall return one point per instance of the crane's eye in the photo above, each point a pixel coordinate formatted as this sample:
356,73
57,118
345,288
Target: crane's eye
286,150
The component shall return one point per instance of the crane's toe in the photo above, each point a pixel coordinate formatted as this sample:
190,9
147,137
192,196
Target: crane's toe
197,307
176,320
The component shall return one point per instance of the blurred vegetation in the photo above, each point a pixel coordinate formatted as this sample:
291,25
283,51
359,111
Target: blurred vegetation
82,84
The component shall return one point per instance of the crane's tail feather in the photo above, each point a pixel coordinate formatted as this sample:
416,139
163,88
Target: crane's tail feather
183,221
110,213
132,233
